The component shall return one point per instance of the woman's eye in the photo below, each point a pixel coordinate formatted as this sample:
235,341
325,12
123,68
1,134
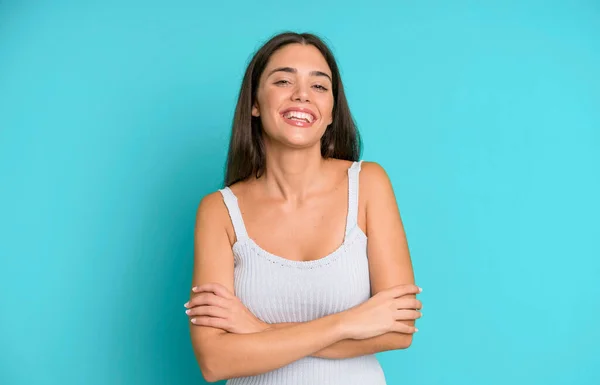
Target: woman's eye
320,87
282,82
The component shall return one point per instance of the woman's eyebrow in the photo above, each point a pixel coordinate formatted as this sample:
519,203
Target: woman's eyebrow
294,71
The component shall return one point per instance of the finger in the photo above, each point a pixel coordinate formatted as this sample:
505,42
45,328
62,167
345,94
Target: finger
407,315
219,323
212,311
203,299
401,327
213,287
401,290
407,303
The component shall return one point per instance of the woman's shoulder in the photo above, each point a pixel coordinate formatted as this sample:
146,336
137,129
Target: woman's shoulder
372,174
373,170
212,215
374,180
215,200
211,205
370,168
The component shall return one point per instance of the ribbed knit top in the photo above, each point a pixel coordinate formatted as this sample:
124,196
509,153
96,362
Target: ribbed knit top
279,290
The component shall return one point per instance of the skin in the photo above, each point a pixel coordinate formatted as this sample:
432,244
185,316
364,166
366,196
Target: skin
309,195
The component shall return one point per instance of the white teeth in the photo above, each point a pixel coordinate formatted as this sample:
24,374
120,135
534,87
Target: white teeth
298,115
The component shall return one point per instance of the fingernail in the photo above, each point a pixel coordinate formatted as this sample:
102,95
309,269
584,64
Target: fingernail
187,304
195,288
416,330
188,311
193,320
420,289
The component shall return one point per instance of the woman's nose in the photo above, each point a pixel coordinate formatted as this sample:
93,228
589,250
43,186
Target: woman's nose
300,94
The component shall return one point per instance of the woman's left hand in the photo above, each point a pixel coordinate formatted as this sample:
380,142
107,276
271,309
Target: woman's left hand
215,306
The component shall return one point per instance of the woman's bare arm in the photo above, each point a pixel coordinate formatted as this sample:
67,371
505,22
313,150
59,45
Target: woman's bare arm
224,355
389,257
350,348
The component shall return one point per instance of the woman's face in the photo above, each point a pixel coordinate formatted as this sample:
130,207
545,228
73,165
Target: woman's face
294,97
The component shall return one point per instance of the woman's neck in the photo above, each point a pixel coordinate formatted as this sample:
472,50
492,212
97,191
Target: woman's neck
293,174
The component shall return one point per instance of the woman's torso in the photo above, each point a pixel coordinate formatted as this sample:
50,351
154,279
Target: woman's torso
281,290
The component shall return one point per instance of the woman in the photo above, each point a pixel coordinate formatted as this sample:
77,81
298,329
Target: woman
288,235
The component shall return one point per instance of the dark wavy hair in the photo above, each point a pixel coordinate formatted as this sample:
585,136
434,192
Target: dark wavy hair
246,156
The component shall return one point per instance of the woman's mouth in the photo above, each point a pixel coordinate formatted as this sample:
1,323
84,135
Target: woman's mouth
298,118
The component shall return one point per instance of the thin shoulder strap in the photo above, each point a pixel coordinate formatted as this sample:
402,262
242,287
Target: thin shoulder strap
234,213
352,219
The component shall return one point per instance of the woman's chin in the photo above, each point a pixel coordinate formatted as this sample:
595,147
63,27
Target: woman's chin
299,143
297,139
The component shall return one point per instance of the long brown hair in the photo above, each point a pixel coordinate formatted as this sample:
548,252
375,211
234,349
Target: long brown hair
246,147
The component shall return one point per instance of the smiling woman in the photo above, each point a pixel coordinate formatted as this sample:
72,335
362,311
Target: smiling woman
301,270
283,85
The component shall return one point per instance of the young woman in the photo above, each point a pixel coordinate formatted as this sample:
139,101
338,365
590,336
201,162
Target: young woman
302,270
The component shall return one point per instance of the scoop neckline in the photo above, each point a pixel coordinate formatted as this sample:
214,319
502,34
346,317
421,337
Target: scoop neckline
353,235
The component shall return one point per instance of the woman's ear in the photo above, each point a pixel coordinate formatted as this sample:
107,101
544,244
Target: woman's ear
255,111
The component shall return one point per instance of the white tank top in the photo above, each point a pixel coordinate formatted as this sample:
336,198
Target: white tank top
279,290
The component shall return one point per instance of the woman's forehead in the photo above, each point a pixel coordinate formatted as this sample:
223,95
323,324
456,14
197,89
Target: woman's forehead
299,57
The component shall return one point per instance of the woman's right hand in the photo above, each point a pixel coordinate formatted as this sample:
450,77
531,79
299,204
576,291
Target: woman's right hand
383,313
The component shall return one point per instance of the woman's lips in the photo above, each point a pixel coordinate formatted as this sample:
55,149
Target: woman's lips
297,122
299,117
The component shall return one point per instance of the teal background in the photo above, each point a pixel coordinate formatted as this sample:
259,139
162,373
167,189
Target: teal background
114,121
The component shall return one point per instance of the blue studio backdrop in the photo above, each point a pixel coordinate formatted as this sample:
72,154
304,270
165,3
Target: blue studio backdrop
114,122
